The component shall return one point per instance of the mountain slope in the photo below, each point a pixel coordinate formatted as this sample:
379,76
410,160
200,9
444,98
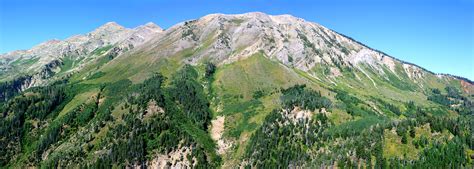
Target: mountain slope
311,48
59,58
227,90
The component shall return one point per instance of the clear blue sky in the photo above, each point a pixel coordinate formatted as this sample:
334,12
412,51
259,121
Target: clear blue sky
435,34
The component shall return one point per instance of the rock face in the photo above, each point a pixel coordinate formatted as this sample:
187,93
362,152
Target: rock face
223,39
292,41
47,58
176,159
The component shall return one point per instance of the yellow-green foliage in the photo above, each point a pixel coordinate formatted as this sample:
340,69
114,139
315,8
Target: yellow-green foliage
393,146
78,100
252,74
338,116
139,66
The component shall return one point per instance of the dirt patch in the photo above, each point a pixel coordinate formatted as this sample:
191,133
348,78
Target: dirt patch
467,87
217,129
153,108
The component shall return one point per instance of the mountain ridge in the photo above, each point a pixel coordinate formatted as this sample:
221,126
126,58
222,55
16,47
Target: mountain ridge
406,62
113,26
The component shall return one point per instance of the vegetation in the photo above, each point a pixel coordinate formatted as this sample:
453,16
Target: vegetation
25,113
453,99
11,88
301,144
274,118
298,96
154,123
276,144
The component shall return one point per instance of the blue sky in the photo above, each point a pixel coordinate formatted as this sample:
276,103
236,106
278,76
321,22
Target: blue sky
435,34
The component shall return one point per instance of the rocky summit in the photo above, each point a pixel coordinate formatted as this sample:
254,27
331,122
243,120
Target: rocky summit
227,91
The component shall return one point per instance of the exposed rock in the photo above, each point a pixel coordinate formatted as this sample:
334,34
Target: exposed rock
49,53
335,72
175,159
153,109
413,72
217,129
298,114
467,87
224,39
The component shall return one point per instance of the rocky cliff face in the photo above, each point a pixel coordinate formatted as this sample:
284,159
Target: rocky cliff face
44,60
224,39
292,41
324,54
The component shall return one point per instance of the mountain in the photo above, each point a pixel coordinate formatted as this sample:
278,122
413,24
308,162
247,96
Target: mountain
251,90
58,57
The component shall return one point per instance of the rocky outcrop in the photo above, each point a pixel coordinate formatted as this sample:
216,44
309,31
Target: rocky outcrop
176,159
292,41
224,39
48,56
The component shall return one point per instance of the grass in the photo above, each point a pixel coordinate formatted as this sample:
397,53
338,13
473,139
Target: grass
365,89
77,101
90,69
19,68
252,74
393,146
269,103
209,40
101,51
237,21
399,82
139,66
25,62
68,64
235,85
237,119
423,130
338,116
354,127
95,60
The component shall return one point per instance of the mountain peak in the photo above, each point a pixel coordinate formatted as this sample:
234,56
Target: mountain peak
247,15
280,19
255,14
109,27
152,26
112,24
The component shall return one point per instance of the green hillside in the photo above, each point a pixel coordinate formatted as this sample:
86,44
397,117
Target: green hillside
192,98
